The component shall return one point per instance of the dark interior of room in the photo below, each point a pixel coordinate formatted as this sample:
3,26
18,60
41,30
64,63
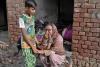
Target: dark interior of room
3,16
65,20
65,12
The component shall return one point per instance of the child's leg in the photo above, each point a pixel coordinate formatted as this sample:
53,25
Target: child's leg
29,58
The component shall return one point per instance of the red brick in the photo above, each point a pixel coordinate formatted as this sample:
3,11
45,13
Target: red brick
77,28
96,34
91,55
88,43
98,53
75,53
11,39
84,10
78,19
80,50
74,46
91,38
84,47
98,5
89,33
77,10
79,1
95,20
82,24
81,42
11,29
75,49
76,24
96,25
95,30
96,57
81,33
77,5
89,24
86,50
87,20
97,48
16,33
83,37
87,5
76,14
85,55
91,47
75,33
75,41
86,29
76,37
93,52
87,15
79,46
91,10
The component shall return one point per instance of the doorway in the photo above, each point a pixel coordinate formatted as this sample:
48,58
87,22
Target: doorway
3,22
3,16
65,21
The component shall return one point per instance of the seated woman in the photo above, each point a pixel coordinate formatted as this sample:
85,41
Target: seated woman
54,50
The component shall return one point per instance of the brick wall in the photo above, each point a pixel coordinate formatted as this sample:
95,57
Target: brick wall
86,33
14,9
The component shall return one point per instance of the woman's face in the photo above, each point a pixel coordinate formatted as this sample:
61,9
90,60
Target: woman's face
48,30
31,10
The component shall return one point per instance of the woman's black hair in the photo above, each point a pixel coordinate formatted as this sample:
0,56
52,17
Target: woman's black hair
30,3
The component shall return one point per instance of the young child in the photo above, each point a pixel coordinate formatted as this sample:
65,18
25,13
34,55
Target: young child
27,25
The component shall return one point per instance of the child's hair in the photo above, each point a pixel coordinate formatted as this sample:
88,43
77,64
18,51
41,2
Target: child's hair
30,3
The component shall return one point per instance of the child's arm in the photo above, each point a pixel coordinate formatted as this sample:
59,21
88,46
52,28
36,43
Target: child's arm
29,42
